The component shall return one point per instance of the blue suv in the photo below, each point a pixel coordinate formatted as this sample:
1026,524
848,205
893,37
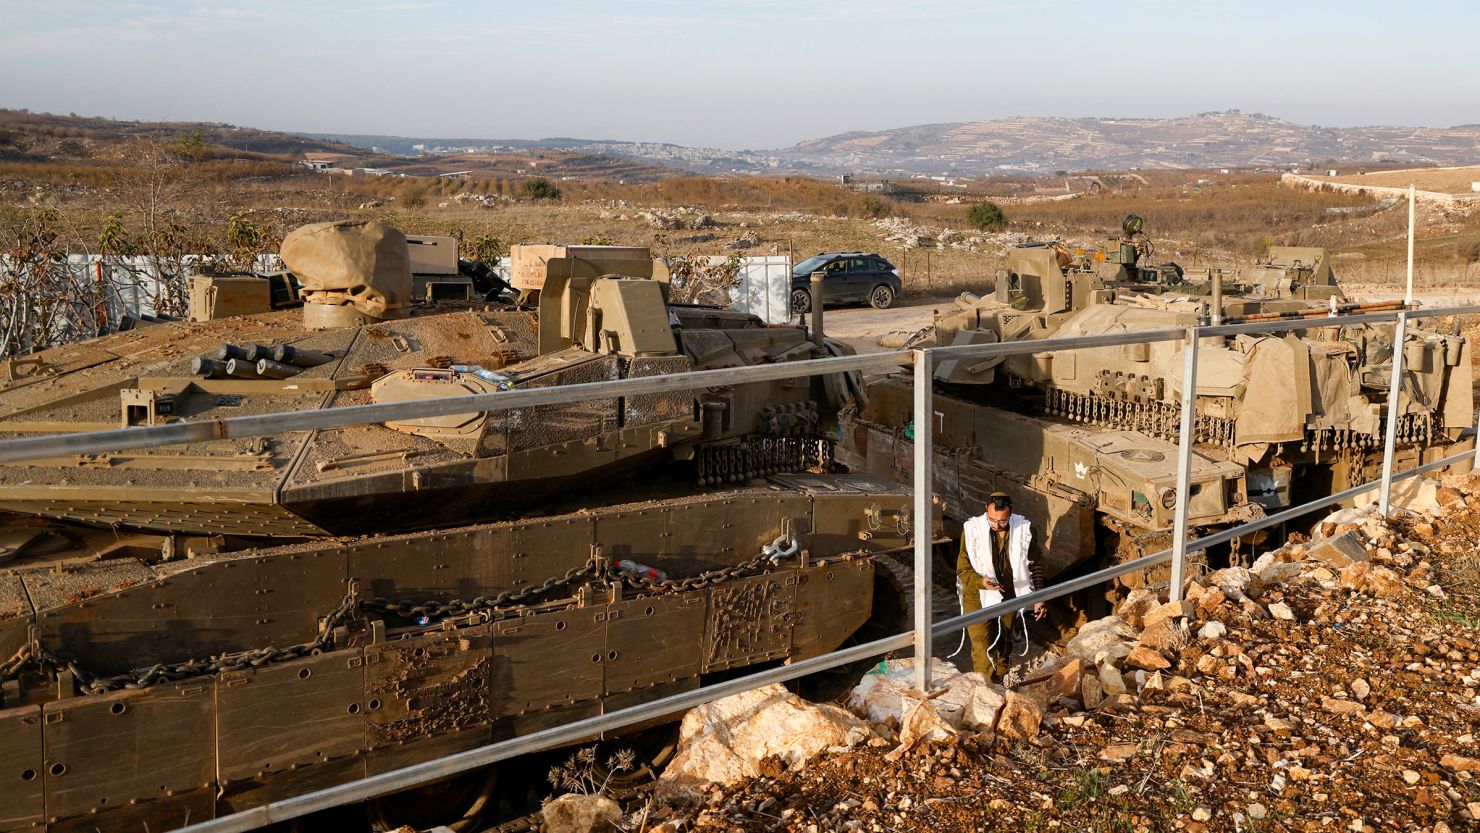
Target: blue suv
848,277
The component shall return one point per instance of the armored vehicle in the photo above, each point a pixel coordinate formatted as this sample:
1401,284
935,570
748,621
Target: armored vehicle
1087,438
197,629
1288,278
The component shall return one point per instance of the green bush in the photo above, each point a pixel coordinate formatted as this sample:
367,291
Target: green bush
987,216
538,188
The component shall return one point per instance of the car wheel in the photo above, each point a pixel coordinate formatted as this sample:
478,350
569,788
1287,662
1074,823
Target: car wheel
882,297
801,301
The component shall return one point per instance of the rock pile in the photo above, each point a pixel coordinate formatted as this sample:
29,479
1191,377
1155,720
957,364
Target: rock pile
1333,685
912,236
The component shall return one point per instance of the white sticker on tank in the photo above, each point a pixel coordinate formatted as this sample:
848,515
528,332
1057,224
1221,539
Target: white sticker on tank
1081,470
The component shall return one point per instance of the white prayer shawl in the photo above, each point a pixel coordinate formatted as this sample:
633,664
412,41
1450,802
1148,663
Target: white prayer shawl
978,535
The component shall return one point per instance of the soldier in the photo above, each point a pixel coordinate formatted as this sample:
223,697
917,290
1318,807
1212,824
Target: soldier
997,562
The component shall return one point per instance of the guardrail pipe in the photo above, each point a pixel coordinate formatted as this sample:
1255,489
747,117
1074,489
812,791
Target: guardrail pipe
920,525
1184,461
1394,405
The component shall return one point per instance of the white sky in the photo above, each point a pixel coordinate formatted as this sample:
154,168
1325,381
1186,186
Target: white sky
746,74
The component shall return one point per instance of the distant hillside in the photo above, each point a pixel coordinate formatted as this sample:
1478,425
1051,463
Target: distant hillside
39,137
1029,145
1207,140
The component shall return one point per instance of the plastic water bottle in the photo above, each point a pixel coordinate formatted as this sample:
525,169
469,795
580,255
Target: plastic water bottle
629,567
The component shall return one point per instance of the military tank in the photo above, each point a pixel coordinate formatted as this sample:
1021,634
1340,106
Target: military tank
1087,439
1286,279
198,629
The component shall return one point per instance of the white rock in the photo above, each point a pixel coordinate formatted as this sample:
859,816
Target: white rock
1202,814
1280,610
1233,581
725,741
1277,572
886,697
1212,630
986,703
1111,635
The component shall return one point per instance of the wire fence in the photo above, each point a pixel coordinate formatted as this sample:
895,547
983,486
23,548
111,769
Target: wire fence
924,631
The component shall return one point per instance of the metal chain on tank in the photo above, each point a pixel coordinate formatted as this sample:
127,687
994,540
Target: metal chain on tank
771,554
90,683
458,607
33,654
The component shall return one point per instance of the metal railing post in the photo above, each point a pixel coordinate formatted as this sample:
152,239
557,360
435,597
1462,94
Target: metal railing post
920,523
1394,405
1184,461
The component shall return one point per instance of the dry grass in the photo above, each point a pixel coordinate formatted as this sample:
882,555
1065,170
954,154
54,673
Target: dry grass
1440,180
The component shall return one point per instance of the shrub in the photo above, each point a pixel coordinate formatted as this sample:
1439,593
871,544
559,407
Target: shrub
538,188
987,216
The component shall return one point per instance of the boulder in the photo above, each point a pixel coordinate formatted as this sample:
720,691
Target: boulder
1147,659
1055,679
984,708
572,813
1136,605
886,695
1237,583
1354,575
1021,718
1111,635
724,742
1179,609
1275,571
1339,551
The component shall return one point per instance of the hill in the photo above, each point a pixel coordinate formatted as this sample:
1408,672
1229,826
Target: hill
45,137
1230,139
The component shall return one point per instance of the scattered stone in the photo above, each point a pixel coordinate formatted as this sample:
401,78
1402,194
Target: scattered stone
1360,689
1280,610
1345,707
1212,630
1169,611
1236,582
1201,813
1410,777
1459,763
1119,752
1147,659
1383,582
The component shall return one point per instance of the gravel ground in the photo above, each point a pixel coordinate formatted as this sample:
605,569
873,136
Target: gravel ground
1337,700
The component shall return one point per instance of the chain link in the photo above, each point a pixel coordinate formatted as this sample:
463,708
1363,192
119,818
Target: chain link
769,556
424,613
430,610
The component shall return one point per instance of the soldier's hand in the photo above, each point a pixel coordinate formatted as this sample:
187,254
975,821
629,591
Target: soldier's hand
1040,610
990,584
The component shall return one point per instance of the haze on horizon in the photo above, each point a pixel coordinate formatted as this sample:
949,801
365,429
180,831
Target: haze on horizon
738,75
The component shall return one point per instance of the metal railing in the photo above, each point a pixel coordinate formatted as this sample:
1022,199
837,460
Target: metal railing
924,630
